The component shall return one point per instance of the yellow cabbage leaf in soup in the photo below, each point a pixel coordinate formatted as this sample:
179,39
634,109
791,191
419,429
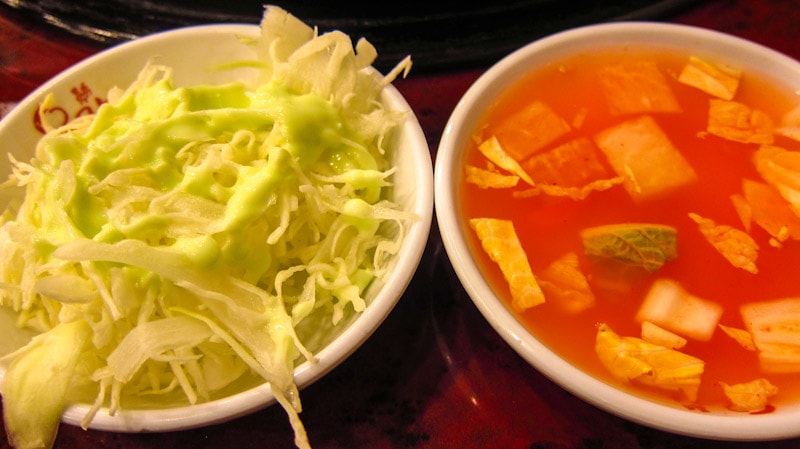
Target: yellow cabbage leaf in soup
735,121
718,80
781,168
489,179
735,245
564,284
763,204
635,360
750,396
773,325
500,241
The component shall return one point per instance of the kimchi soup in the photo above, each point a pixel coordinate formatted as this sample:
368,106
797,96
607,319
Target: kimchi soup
639,210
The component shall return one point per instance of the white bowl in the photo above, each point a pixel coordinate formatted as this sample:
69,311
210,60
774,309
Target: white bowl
188,51
719,424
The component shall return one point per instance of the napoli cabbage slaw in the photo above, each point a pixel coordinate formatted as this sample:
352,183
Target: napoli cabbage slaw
184,238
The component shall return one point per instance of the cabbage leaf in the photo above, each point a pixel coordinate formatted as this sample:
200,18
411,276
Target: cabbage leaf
645,245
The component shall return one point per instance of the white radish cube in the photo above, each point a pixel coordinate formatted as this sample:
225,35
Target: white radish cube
776,335
669,306
639,150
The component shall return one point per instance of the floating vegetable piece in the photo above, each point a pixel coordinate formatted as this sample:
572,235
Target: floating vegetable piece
565,285
750,396
488,179
770,210
670,306
735,245
633,359
575,193
789,125
530,129
573,164
718,80
620,354
500,241
639,150
773,325
493,151
652,333
781,168
649,246
741,336
637,87
736,121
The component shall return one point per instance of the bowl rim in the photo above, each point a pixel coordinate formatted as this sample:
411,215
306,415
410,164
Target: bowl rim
334,353
733,426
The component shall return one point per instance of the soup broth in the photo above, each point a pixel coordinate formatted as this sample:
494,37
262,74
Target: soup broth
549,225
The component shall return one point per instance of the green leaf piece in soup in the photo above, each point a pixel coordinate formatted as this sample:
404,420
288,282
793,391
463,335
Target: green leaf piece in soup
649,246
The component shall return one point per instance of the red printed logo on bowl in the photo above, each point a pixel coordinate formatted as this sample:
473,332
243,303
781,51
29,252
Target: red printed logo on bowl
86,103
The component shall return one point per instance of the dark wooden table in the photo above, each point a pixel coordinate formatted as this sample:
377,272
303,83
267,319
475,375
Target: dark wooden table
434,375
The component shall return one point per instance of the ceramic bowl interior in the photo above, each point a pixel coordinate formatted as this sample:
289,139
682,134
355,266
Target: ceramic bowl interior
721,425
193,53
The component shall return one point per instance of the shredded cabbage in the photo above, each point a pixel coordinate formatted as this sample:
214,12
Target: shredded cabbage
185,240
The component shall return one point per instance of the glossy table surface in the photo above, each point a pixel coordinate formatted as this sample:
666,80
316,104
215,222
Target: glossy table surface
434,375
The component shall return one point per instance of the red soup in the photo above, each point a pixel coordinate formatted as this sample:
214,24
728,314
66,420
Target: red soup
640,211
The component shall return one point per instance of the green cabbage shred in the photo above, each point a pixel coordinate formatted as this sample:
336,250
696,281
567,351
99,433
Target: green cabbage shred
184,242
